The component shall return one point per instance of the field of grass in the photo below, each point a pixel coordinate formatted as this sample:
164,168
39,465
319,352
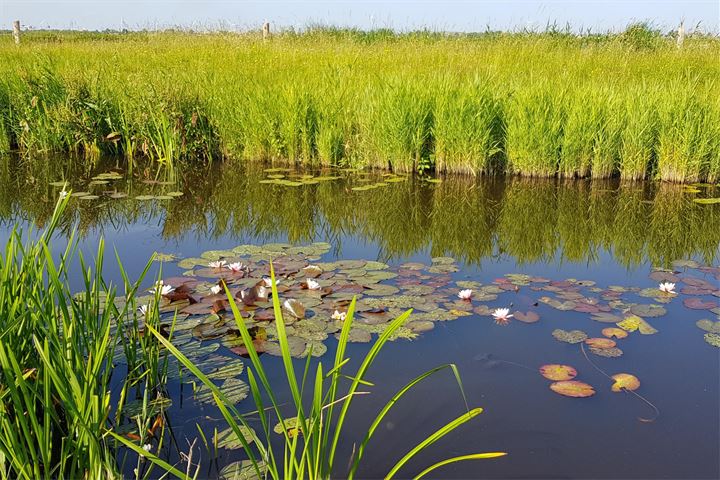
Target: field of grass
630,104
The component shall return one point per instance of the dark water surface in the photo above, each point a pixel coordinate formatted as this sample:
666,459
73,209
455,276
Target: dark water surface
607,232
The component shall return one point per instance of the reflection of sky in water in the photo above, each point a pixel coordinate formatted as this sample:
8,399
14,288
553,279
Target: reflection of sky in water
546,435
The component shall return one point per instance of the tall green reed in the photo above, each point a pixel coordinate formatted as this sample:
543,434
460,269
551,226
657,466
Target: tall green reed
56,360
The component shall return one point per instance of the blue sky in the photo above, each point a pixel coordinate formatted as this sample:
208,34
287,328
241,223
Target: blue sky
451,15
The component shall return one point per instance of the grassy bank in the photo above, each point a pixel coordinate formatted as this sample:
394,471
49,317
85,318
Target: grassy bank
630,104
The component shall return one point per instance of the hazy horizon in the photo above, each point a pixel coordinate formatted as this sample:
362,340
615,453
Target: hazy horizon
400,15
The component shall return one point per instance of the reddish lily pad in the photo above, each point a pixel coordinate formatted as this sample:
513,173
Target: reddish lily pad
526,317
600,342
697,304
614,332
557,372
573,388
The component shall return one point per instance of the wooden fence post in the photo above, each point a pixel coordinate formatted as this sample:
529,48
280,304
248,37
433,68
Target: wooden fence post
16,31
681,34
266,30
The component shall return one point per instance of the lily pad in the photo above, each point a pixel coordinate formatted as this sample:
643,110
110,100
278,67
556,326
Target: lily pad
234,389
708,325
713,339
625,381
614,332
228,438
557,372
706,201
600,342
606,352
242,470
573,388
648,310
526,317
573,336
697,304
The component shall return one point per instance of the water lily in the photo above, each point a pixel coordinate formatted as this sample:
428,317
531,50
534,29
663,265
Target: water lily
267,282
236,267
63,194
147,447
215,289
502,316
339,316
465,294
162,288
219,264
667,287
143,309
312,284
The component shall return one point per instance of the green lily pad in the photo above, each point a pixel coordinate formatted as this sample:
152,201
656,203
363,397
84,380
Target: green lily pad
175,194
243,470
706,201
713,339
59,184
228,438
648,310
572,336
708,325
606,352
144,198
89,197
79,194
234,389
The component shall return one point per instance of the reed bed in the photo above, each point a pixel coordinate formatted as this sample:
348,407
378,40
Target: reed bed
537,104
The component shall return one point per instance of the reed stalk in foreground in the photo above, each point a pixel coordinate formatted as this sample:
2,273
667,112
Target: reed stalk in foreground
313,428
56,361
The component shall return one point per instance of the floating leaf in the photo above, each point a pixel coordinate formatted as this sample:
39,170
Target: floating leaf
606,352
573,388
697,304
242,470
291,425
556,372
708,325
600,342
228,438
294,307
605,317
633,322
625,381
713,339
573,336
648,310
706,201
145,197
233,388
528,317
614,332
89,197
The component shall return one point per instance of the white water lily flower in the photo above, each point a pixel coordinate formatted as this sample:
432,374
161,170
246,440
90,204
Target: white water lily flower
667,287
215,289
235,267
267,281
502,316
312,284
162,288
218,264
147,447
465,294
63,194
339,316
143,309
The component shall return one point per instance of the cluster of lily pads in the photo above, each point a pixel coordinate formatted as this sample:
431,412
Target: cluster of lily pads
102,185
700,188
286,177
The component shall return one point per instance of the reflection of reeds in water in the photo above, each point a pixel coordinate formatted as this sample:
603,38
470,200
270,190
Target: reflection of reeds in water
527,220
470,219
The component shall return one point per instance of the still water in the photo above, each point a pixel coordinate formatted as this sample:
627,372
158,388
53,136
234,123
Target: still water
606,237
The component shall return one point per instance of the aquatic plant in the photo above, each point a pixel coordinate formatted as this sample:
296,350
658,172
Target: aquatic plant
537,104
56,360
311,434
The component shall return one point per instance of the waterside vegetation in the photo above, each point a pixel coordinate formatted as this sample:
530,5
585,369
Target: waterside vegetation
630,104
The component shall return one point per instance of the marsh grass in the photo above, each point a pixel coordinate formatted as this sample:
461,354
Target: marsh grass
56,361
538,104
